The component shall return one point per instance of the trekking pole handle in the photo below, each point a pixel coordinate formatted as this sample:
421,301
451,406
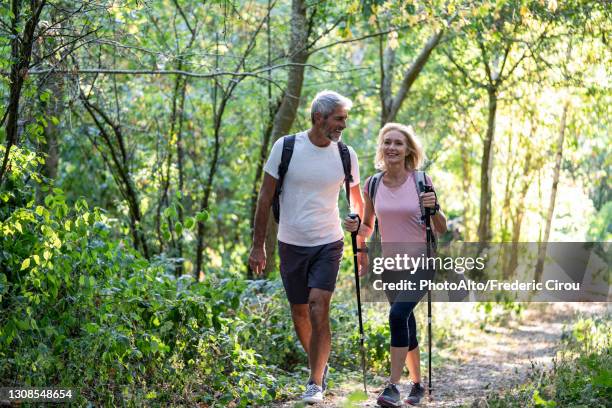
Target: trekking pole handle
355,216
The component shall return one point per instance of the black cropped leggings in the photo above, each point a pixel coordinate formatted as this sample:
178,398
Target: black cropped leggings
403,325
401,317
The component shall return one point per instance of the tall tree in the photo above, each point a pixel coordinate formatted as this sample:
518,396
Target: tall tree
290,101
391,102
487,53
221,97
22,41
553,193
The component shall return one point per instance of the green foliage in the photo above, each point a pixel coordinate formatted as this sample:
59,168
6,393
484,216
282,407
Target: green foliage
498,313
80,306
600,229
579,377
83,308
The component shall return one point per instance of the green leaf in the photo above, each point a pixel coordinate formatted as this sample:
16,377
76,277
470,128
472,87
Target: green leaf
170,212
91,328
23,324
178,228
25,264
189,223
3,283
202,216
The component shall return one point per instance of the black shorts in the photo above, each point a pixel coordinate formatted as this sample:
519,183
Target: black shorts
303,268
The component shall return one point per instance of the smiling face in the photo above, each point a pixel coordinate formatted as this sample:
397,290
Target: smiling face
332,125
394,148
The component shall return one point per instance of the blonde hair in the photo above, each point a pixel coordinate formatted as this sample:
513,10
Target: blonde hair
415,157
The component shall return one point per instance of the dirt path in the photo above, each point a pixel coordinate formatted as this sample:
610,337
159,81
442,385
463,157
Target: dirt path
483,361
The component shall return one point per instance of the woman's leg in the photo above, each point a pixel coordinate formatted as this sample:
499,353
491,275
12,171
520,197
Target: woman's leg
413,358
403,336
398,356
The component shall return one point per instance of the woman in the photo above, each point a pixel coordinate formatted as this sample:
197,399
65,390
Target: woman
397,207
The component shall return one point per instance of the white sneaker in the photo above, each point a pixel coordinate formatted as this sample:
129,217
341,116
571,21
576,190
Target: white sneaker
313,394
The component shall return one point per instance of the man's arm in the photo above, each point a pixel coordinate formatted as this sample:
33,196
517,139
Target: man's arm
357,204
257,257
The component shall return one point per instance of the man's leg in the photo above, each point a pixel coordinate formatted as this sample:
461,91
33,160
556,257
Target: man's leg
320,340
301,322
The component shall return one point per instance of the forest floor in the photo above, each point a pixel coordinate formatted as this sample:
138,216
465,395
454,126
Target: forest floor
493,359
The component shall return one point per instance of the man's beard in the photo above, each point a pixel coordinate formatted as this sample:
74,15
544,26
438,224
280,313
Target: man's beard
333,136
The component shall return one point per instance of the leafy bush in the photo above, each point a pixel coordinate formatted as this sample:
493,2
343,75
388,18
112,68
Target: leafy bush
580,376
81,309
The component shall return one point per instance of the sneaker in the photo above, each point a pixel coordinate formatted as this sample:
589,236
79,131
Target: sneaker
389,397
416,393
324,382
313,394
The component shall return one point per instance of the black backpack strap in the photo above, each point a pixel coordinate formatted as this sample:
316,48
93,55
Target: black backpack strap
372,187
345,156
288,144
419,177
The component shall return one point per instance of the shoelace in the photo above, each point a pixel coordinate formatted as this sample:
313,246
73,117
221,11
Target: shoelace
414,390
312,389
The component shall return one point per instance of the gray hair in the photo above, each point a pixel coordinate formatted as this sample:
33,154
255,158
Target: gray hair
326,101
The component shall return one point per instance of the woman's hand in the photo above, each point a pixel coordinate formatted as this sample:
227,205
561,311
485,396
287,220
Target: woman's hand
351,224
429,199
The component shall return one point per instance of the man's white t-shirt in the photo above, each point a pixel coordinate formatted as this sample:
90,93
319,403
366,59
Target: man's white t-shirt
309,214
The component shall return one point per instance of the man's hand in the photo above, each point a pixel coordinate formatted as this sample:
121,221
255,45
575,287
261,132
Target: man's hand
351,224
257,260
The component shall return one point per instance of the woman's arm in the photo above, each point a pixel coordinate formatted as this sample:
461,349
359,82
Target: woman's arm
439,219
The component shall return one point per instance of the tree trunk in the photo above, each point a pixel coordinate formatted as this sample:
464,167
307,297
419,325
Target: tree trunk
553,196
259,172
410,76
180,156
21,53
506,210
120,166
466,184
208,188
52,110
486,168
517,220
285,116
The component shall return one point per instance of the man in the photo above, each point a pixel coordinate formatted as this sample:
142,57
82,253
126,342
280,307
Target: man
310,238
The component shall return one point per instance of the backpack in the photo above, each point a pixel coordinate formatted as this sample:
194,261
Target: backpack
419,179
288,144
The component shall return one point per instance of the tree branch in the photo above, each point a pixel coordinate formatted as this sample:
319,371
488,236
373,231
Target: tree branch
413,72
463,71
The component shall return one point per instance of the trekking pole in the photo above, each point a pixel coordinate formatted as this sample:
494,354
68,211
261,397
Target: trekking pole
429,232
358,290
